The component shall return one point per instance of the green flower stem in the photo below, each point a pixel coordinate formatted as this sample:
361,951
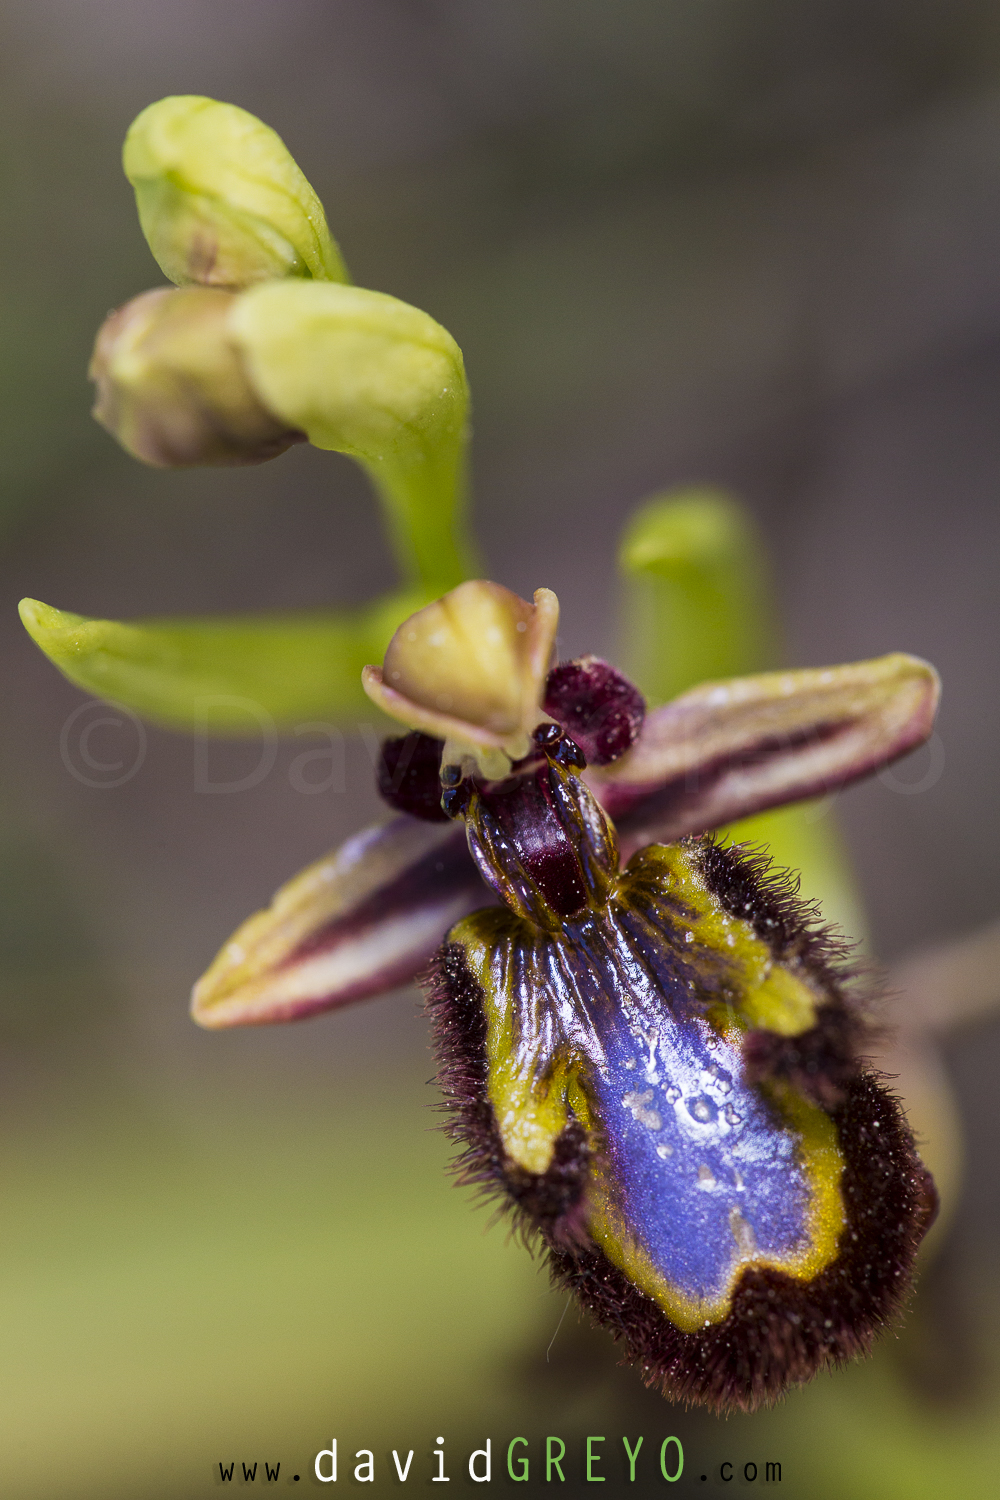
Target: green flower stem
423,512
226,676
362,373
699,606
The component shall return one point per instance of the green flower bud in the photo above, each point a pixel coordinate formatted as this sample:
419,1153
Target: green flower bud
171,384
220,199
360,372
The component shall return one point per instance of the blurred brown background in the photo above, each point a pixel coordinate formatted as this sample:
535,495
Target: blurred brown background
754,242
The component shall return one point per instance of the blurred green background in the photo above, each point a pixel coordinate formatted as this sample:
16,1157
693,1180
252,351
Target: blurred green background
754,245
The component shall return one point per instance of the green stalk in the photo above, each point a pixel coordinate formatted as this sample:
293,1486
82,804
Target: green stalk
698,606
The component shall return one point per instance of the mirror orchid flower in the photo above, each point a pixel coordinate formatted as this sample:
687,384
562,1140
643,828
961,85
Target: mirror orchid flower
649,1048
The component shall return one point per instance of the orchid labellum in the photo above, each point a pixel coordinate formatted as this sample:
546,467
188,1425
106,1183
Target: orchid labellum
648,1046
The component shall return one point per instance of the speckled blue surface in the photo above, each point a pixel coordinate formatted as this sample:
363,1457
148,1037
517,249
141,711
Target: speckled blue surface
702,1167
689,1143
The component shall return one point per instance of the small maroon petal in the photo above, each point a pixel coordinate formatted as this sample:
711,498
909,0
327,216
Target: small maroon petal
597,705
408,773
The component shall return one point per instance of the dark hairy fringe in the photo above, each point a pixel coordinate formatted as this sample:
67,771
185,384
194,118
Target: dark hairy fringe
780,1330
556,1198
822,1061
748,884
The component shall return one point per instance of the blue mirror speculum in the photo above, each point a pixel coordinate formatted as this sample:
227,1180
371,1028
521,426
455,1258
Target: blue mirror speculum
659,1069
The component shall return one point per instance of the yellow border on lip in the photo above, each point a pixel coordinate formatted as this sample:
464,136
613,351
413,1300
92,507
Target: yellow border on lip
824,1164
530,1112
764,992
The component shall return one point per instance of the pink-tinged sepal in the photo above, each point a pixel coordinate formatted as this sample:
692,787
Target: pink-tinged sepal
728,749
360,922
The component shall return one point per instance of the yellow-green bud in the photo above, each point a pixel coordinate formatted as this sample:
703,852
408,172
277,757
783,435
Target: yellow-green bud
220,199
360,372
172,387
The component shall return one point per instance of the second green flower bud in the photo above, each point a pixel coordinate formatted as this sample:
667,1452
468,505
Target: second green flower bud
172,386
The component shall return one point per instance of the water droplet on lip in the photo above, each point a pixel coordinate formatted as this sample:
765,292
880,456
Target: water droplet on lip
664,1151
702,1110
742,1232
638,1104
732,1117
673,1094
